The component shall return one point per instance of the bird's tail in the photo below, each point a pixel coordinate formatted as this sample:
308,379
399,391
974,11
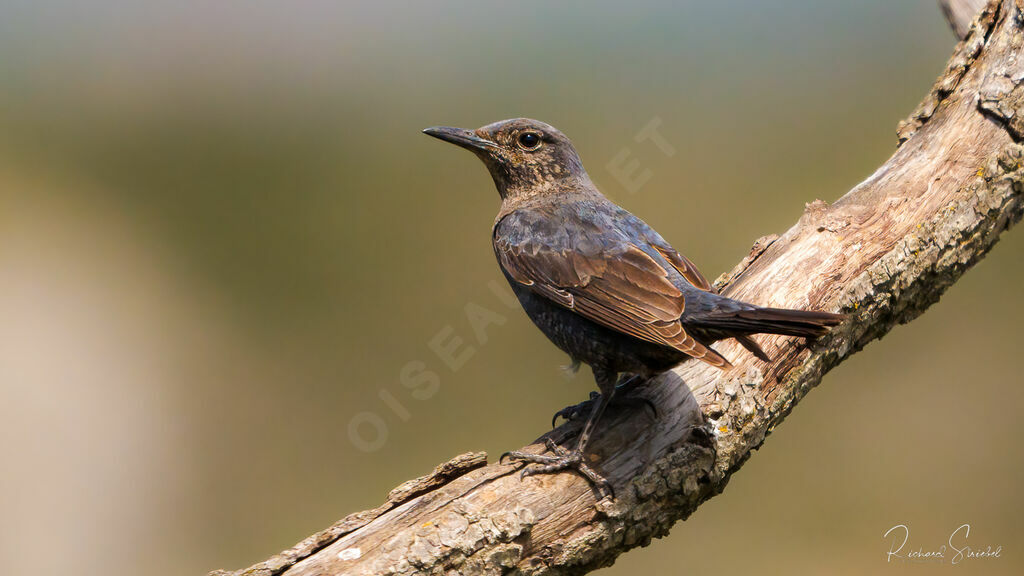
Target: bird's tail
803,323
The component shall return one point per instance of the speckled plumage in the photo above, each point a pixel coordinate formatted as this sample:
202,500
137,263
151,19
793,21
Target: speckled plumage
598,281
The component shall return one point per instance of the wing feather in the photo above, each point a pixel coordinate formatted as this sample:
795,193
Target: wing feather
616,284
682,265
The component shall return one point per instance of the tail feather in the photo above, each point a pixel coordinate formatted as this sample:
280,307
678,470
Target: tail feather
802,323
752,346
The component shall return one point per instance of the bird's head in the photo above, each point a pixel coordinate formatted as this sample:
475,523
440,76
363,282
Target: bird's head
522,155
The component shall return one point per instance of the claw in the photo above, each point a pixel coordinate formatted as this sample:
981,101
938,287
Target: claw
564,459
570,412
561,460
552,446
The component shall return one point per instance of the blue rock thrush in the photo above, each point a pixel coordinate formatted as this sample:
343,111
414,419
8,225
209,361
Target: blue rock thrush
599,282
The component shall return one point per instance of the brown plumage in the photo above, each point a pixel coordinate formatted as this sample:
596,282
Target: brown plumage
597,280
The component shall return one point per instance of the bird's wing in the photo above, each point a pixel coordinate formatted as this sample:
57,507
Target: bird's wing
690,272
681,263
601,274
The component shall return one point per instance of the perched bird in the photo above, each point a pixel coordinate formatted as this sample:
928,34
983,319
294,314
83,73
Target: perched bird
599,282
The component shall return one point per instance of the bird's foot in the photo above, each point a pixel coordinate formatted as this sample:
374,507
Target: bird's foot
583,408
561,460
574,410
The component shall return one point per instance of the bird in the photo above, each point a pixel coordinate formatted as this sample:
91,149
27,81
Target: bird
599,282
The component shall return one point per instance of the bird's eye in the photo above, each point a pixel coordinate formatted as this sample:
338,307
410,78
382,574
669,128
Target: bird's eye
529,140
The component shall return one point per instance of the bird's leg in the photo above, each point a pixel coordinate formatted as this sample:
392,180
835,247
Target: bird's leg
625,385
562,458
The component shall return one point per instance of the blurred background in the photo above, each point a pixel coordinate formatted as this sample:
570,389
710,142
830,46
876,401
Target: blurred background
222,237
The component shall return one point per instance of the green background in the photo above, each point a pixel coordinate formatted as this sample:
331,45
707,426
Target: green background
222,236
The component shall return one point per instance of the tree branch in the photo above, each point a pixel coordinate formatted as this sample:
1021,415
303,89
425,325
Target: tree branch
883,252
960,14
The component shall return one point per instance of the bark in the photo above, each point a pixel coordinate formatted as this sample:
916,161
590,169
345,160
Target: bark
883,252
960,14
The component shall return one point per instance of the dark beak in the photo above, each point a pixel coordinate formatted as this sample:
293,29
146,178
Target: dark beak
460,137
